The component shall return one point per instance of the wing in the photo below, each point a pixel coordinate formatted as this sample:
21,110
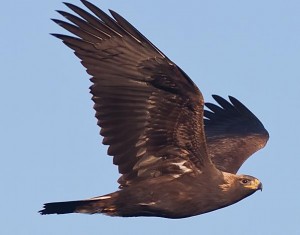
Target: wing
233,133
150,112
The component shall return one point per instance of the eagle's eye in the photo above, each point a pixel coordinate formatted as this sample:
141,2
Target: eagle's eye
245,181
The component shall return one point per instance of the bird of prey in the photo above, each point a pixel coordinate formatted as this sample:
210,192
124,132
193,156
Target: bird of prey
176,159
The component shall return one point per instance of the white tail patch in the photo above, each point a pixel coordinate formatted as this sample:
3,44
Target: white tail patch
100,198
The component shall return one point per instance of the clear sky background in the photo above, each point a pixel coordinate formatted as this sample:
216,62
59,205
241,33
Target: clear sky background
50,147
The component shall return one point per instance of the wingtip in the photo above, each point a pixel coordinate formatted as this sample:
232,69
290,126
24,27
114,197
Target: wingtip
215,96
233,99
87,3
219,98
71,6
68,4
112,12
57,35
61,12
59,22
240,106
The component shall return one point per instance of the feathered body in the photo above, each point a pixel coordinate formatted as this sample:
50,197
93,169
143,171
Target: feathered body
176,159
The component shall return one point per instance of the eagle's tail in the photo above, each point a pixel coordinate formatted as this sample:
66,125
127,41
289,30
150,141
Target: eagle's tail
102,204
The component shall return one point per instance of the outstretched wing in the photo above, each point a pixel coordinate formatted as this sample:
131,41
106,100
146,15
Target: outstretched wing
150,112
233,133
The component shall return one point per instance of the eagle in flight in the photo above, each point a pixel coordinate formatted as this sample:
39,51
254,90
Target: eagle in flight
176,159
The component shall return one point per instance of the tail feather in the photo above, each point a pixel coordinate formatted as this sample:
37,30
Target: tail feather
90,206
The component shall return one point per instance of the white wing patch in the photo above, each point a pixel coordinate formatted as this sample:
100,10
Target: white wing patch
184,169
147,204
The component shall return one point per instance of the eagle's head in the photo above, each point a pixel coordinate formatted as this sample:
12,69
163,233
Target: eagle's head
237,187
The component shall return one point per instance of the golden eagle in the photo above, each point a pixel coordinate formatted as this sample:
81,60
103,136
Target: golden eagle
176,159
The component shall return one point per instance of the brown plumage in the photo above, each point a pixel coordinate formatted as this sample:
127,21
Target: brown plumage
233,133
151,115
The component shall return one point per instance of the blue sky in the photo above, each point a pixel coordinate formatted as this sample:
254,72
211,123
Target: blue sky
51,149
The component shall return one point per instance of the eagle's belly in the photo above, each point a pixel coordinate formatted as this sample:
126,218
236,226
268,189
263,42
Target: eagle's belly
172,199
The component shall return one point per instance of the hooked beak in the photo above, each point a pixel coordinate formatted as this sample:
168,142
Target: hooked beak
255,185
260,187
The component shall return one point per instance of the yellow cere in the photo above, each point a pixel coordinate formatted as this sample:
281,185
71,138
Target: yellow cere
254,184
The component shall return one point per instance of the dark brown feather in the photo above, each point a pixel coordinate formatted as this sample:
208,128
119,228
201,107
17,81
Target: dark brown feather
148,109
233,133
